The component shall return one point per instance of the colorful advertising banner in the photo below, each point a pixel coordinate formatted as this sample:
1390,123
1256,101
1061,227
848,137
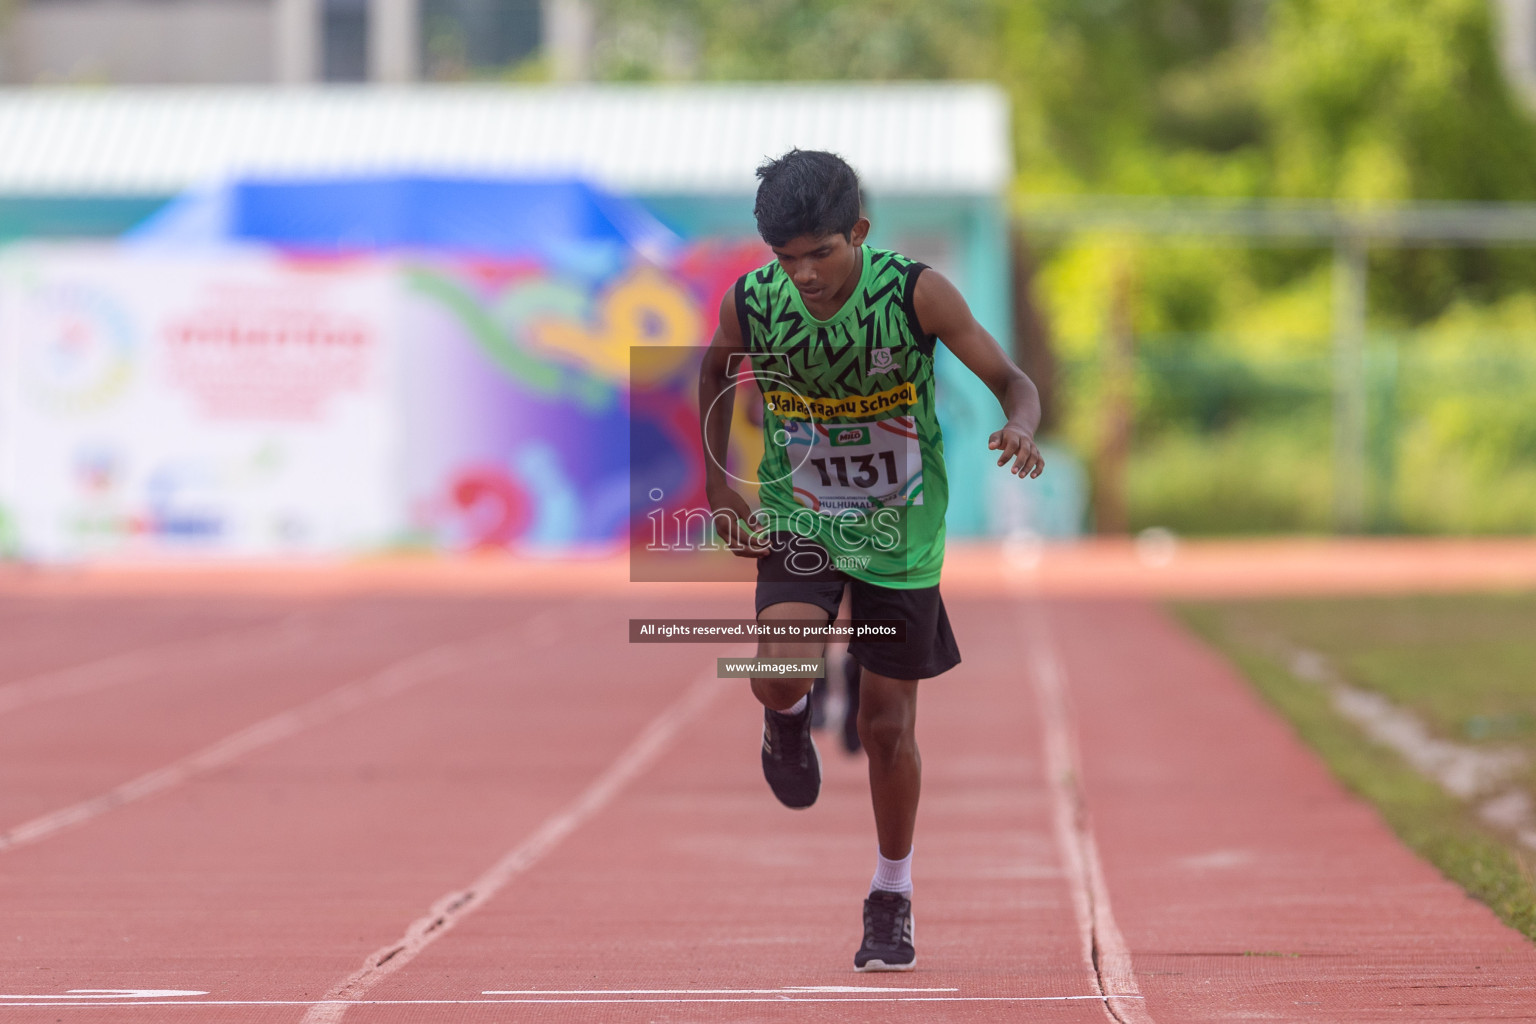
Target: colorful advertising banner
518,409
230,402
237,402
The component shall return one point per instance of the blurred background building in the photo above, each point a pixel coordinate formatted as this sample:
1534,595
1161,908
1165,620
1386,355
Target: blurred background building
433,174
1270,260
290,42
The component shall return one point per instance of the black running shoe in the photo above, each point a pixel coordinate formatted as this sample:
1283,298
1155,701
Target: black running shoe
790,762
887,934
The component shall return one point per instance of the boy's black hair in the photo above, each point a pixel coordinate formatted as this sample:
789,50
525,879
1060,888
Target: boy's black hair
806,192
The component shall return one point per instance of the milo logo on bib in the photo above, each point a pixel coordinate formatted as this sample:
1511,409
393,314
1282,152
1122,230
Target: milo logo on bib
844,436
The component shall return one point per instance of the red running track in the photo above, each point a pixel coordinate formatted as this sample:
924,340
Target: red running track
479,807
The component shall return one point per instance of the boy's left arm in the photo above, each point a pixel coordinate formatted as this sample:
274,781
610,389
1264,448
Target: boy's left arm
942,310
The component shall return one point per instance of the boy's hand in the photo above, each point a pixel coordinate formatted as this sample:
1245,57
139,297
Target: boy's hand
1017,444
730,508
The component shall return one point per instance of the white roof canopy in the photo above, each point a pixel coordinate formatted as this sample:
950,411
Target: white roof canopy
901,137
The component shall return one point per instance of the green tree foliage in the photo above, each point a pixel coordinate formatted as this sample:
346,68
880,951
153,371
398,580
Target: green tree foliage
728,40
1356,101
1375,104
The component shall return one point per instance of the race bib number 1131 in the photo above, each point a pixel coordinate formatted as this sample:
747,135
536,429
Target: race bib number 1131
838,466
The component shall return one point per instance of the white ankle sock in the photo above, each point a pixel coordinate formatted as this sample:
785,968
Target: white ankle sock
893,875
797,707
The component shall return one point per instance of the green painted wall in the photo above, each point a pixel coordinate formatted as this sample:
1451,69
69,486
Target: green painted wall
73,216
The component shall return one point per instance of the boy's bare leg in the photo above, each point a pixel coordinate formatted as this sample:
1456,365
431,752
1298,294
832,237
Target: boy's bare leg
791,764
778,694
887,727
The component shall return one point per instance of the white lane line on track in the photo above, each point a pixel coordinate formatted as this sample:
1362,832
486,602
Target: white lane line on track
455,906
1105,952
107,993
327,1004
128,666
396,678
808,990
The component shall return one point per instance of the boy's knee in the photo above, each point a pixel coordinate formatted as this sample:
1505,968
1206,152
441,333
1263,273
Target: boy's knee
780,694
884,732
776,692
788,649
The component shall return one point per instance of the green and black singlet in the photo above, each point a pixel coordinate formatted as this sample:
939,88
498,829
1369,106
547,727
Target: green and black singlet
853,456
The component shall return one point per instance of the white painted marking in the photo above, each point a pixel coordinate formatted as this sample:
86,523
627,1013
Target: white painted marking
326,1004
1216,860
111,993
455,906
1105,952
1466,771
128,666
802,989
859,988
396,678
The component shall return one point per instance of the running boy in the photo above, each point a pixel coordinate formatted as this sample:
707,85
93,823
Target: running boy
840,337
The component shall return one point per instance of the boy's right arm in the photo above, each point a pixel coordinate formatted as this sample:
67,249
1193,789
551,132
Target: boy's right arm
717,401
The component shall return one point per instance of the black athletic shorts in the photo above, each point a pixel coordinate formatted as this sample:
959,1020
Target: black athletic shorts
930,647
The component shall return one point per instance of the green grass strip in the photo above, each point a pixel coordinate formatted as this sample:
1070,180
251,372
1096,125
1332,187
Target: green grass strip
1432,823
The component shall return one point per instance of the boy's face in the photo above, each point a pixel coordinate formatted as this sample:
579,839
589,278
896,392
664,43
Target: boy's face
823,268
